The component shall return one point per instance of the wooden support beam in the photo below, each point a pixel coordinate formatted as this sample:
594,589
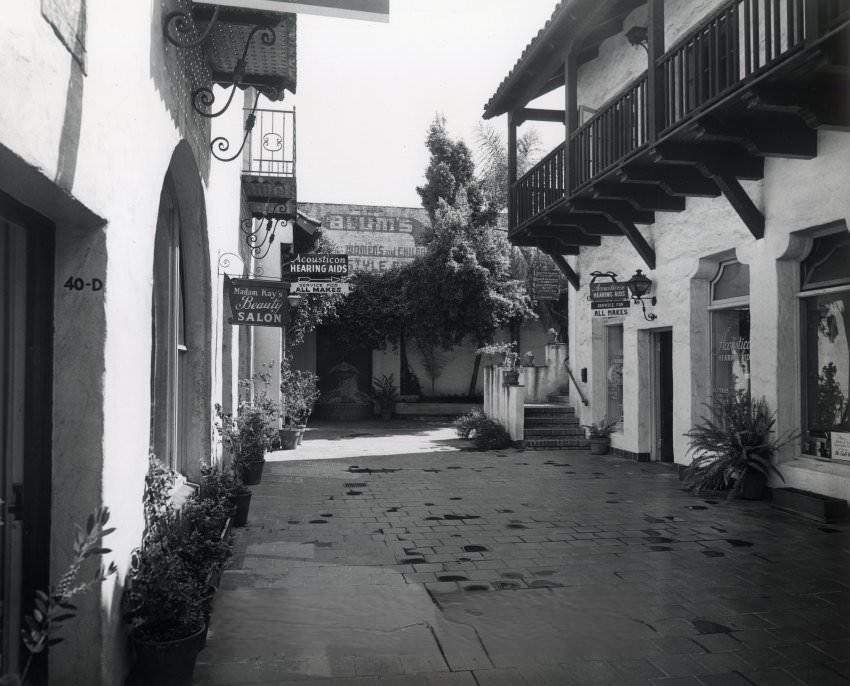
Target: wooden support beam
742,204
822,106
644,249
766,134
674,180
641,196
595,224
565,268
568,235
512,172
616,210
570,113
553,245
537,114
712,159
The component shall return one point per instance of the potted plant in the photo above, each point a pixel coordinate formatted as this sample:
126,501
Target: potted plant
299,393
599,435
734,448
226,483
528,359
385,395
249,435
509,359
163,600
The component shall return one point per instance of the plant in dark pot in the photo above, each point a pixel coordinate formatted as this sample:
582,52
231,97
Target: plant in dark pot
163,601
206,541
734,447
599,436
250,433
217,483
299,392
385,395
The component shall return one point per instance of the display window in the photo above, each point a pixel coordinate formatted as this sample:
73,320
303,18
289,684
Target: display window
730,329
614,372
825,326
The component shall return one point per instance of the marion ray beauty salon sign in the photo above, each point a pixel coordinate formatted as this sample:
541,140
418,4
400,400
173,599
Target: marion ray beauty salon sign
254,302
371,10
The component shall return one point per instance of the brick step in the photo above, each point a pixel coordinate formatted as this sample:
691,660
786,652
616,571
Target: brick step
555,431
564,390
558,398
552,421
543,409
544,443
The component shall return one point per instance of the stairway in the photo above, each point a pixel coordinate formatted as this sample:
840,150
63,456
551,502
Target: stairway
553,424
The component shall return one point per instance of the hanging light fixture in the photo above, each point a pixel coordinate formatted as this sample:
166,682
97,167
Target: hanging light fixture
639,286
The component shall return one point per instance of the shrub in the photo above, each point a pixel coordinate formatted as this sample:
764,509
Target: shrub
486,433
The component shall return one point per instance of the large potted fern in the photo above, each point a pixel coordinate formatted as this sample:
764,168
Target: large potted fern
734,446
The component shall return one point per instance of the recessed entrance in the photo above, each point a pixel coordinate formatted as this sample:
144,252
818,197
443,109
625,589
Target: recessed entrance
662,396
26,334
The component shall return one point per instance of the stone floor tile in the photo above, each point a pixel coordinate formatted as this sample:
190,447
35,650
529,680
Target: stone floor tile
817,675
500,677
450,679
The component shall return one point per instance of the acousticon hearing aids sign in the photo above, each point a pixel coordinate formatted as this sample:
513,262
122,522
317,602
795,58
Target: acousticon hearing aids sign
254,302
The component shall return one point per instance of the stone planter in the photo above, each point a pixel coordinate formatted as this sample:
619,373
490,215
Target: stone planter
754,486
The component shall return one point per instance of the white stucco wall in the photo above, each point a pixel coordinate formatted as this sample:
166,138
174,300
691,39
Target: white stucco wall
78,148
795,194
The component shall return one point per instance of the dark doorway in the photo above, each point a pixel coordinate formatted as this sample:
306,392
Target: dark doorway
345,379
26,382
664,396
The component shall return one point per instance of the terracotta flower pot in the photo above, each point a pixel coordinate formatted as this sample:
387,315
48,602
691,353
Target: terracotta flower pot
168,663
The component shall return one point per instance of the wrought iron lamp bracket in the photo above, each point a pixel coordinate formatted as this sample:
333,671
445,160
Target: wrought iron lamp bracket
227,259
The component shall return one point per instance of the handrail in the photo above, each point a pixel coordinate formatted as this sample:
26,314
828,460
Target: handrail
575,383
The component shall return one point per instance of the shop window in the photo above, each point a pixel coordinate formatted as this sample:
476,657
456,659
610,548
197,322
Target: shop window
825,327
614,372
730,329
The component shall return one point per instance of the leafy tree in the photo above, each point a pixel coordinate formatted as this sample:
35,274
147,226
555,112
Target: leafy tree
374,312
451,176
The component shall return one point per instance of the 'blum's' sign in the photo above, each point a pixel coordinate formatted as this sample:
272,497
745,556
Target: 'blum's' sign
372,10
254,302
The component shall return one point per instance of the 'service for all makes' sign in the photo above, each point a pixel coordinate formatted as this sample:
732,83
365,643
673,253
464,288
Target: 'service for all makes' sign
254,302
315,267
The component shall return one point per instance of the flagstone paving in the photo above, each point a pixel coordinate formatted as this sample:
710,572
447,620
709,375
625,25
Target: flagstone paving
418,563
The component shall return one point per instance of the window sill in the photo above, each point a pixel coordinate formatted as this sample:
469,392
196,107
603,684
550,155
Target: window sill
817,464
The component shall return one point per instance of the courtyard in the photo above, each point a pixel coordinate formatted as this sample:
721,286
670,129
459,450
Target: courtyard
392,554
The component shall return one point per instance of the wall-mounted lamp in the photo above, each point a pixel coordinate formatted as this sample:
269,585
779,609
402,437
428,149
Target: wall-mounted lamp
639,286
294,299
638,36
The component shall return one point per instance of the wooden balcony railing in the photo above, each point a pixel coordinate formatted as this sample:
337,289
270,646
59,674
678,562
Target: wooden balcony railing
613,133
540,188
729,48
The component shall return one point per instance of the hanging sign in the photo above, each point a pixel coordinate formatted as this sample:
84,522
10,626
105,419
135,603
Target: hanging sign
315,266
609,298
254,302
371,10
320,288
840,442
545,284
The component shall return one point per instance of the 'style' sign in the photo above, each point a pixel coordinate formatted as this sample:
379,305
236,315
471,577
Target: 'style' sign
254,302
545,284
315,267
609,298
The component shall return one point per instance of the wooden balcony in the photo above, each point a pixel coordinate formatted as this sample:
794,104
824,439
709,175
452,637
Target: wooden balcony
757,78
268,164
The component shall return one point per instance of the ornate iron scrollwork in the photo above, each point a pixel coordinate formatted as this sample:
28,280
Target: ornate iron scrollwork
220,144
203,98
178,25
